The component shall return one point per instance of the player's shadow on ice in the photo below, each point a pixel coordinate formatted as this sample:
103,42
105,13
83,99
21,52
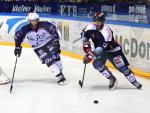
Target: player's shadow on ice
105,87
126,88
99,87
51,81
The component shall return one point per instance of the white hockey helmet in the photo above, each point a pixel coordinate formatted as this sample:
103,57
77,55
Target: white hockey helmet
33,16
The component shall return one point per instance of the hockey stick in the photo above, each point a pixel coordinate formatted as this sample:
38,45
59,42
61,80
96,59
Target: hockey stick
12,80
76,40
81,82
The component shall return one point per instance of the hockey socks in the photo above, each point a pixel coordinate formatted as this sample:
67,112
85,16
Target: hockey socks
130,76
133,80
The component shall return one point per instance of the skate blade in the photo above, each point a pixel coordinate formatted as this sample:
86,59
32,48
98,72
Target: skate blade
115,85
63,83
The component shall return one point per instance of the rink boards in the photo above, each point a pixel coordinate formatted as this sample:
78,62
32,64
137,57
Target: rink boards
134,38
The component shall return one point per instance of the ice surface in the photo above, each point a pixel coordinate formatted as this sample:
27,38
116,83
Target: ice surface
36,91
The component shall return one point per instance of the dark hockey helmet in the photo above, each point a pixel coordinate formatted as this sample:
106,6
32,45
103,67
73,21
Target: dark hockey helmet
99,17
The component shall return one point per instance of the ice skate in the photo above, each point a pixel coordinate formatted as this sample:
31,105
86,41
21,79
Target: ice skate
137,85
112,82
61,79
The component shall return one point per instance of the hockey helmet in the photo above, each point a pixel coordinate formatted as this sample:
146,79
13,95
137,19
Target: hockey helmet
33,16
99,17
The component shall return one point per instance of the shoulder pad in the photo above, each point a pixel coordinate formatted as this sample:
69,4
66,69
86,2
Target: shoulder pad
25,28
90,27
106,27
46,22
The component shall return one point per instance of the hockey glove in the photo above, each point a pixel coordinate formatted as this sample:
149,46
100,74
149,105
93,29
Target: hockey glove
17,51
88,58
86,47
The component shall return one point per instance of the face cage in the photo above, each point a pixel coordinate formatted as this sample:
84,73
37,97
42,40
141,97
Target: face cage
98,19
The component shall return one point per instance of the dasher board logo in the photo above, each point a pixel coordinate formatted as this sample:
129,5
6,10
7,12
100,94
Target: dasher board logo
14,24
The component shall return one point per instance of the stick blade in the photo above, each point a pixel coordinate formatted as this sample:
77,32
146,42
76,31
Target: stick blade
11,87
80,83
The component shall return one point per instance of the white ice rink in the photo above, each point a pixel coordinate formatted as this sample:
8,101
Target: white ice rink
36,91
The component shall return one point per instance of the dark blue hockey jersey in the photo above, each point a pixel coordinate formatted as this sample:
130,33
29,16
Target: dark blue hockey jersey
100,38
38,37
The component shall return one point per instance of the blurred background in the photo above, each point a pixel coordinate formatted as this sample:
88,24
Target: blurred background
122,10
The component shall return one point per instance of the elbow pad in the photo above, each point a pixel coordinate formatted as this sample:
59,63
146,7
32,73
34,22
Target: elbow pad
97,52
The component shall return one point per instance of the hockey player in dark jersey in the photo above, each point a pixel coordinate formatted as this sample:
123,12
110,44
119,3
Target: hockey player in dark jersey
44,39
105,48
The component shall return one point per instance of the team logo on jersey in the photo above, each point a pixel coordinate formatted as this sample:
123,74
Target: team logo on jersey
105,45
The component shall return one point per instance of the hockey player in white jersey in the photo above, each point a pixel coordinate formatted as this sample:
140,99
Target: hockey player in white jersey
105,48
44,38
4,79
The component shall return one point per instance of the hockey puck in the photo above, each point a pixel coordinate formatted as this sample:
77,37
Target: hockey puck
95,101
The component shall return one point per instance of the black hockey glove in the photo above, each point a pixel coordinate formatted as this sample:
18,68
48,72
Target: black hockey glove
17,51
